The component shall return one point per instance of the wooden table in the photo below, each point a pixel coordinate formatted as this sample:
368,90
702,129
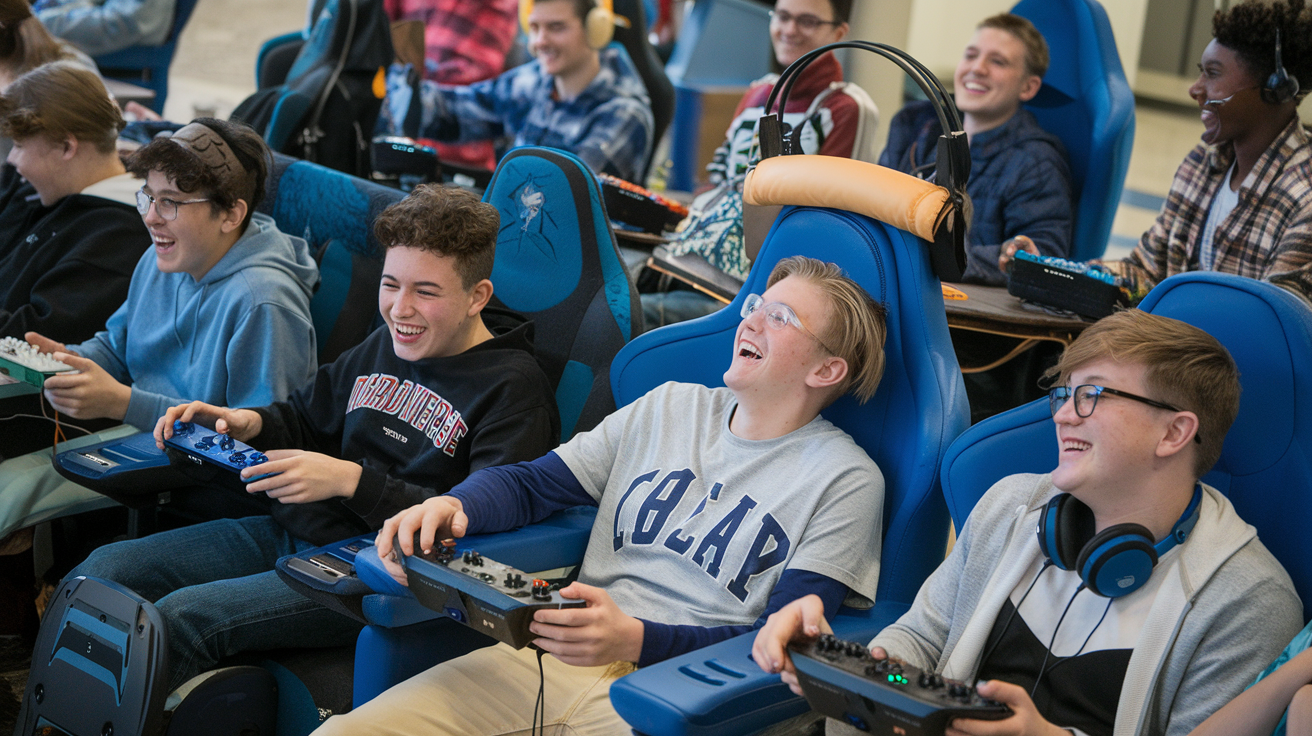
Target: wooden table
991,310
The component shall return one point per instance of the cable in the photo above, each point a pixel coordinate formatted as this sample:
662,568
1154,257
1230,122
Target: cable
541,703
1016,609
1044,665
46,418
1080,651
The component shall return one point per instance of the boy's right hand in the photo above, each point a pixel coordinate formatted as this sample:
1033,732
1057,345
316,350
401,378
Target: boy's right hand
45,344
800,620
239,424
437,518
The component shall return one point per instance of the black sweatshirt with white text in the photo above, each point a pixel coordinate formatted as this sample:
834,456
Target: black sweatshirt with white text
416,427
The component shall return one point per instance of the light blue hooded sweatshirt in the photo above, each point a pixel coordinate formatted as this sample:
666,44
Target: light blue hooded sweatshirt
241,336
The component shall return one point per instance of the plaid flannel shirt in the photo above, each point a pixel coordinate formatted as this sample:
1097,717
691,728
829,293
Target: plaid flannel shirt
465,41
608,125
1267,236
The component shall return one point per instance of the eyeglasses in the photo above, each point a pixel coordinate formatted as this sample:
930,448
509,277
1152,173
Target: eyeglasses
805,21
164,207
778,316
1086,400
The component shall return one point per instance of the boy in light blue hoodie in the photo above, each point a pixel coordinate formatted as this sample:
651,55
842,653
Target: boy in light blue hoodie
218,310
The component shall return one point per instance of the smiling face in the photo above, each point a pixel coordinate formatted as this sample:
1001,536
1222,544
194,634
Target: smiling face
194,241
791,40
1221,75
42,163
1115,447
991,80
427,310
557,39
776,362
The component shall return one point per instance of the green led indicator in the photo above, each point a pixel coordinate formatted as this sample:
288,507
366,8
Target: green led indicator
897,679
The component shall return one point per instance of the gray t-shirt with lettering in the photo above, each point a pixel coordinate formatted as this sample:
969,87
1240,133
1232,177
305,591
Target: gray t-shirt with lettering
695,524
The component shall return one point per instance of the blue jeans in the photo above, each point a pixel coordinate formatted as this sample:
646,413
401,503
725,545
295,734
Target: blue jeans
215,588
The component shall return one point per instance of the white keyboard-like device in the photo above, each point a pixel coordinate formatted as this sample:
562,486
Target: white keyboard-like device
24,362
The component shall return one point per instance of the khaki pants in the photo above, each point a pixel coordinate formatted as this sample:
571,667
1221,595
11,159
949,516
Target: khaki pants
491,692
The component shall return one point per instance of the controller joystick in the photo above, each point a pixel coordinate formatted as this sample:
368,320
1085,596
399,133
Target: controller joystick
226,442
182,429
541,589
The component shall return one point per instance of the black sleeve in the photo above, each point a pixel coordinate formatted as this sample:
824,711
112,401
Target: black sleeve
73,299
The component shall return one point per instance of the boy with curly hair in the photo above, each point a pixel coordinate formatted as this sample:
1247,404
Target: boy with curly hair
445,387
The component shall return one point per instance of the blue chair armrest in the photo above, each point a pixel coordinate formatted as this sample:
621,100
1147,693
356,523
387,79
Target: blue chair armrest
719,690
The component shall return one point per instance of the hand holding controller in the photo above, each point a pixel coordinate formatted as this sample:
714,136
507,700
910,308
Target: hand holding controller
843,680
201,445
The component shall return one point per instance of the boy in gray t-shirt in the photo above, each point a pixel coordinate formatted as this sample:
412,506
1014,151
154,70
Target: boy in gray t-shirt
716,507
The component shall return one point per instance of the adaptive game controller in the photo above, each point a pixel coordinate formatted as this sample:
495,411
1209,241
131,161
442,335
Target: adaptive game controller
485,595
201,446
22,361
884,696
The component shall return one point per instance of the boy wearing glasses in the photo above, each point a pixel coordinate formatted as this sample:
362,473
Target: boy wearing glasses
218,310
715,506
1069,638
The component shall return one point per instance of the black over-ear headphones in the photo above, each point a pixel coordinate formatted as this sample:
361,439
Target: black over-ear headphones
947,253
1281,86
1117,560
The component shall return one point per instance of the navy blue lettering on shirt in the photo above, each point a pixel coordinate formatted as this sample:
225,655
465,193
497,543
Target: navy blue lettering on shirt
416,405
645,510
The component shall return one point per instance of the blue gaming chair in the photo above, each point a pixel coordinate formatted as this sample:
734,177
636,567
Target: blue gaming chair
1266,463
919,408
1086,102
148,66
334,212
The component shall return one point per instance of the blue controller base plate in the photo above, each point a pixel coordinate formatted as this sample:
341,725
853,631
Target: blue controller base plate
203,445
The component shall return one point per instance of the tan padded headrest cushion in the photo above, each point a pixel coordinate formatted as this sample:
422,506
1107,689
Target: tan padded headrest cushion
901,200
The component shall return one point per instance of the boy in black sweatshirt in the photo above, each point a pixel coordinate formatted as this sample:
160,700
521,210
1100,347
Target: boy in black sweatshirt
443,389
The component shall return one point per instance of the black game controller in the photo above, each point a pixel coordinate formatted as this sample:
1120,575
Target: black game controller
495,599
884,696
201,445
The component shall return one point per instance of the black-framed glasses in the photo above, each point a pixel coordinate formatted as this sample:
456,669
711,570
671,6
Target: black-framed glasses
167,208
805,21
1086,400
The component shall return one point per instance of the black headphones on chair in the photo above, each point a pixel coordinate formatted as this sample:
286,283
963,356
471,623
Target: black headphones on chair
1115,561
1281,86
948,251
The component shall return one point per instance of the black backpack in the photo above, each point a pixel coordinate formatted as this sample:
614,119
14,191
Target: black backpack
327,104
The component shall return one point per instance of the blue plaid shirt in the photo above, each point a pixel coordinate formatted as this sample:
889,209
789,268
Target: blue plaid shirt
609,125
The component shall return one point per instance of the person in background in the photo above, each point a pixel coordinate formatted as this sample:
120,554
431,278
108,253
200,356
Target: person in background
577,95
828,116
102,26
1241,201
465,41
1020,180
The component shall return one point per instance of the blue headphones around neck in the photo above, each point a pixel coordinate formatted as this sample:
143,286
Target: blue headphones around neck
1116,561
